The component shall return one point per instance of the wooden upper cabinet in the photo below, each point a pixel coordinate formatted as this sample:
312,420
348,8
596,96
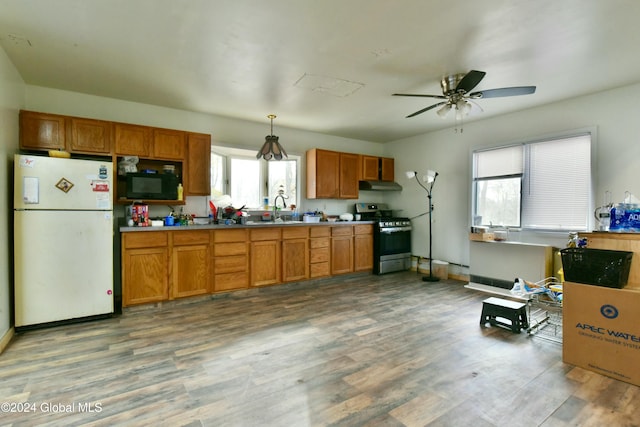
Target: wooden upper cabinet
349,173
323,174
89,136
377,168
132,140
332,175
41,131
387,172
198,165
169,144
370,168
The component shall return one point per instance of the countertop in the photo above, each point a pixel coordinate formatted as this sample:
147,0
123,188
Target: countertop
126,229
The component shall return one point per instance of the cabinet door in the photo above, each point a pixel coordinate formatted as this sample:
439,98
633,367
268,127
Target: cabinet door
323,174
198,179
39,131
265,262
341,254
349,173
90,136
295,259
363,252
132,140
169,144
145,275
387,173
370,168
190,270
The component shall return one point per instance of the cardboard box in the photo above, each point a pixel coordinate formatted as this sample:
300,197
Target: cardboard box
481,237
601,330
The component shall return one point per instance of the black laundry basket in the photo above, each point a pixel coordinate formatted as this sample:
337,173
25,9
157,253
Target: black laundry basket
598,267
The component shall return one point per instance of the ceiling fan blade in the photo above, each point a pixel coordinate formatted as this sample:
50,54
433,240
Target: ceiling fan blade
420,96
504,91
470,80
426,109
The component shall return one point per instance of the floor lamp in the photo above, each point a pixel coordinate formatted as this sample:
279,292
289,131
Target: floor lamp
430,179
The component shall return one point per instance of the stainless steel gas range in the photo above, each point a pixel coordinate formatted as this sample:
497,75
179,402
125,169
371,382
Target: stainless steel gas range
391,238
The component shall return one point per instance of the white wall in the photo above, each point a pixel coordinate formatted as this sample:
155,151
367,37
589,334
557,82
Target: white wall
11,100
225,132
612,113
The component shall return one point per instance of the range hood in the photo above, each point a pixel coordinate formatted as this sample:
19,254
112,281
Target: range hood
380,186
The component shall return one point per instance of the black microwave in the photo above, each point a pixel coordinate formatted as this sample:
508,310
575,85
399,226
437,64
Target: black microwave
152,186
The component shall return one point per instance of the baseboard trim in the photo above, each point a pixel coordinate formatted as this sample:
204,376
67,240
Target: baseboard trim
6,339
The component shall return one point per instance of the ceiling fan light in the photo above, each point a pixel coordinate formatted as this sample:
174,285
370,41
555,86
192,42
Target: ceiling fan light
444,111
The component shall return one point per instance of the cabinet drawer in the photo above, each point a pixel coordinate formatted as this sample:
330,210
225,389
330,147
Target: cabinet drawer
320,231
227,249
345,230
319,255
266,234
363,229
191,237
230,264
319,242
295,232
319,270
145,239
230,281
223,236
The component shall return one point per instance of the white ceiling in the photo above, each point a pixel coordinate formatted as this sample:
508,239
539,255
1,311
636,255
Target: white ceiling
327,66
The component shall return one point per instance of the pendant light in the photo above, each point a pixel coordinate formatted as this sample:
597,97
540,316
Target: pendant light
271,149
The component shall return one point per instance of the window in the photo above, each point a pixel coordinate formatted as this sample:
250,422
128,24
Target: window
542,185
217,174
248,180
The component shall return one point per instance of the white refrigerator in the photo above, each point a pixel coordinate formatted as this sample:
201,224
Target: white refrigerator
63,239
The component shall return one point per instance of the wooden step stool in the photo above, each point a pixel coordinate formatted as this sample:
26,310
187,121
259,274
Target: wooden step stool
515,312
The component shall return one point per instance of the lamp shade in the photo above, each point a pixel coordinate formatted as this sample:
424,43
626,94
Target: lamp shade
271,149
444,111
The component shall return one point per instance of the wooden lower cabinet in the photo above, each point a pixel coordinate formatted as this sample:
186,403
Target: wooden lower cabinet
164,265
363,247
265,254
190,259
230,260
145,268
295,254
320,252
341,250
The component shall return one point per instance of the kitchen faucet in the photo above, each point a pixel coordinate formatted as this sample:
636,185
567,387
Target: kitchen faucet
280,195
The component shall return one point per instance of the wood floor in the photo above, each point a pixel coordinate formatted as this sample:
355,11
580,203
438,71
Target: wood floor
362,351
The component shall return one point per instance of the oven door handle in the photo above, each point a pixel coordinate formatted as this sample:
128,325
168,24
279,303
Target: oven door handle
394,230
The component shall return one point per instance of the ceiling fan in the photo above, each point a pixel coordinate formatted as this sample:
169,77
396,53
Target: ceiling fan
456,91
